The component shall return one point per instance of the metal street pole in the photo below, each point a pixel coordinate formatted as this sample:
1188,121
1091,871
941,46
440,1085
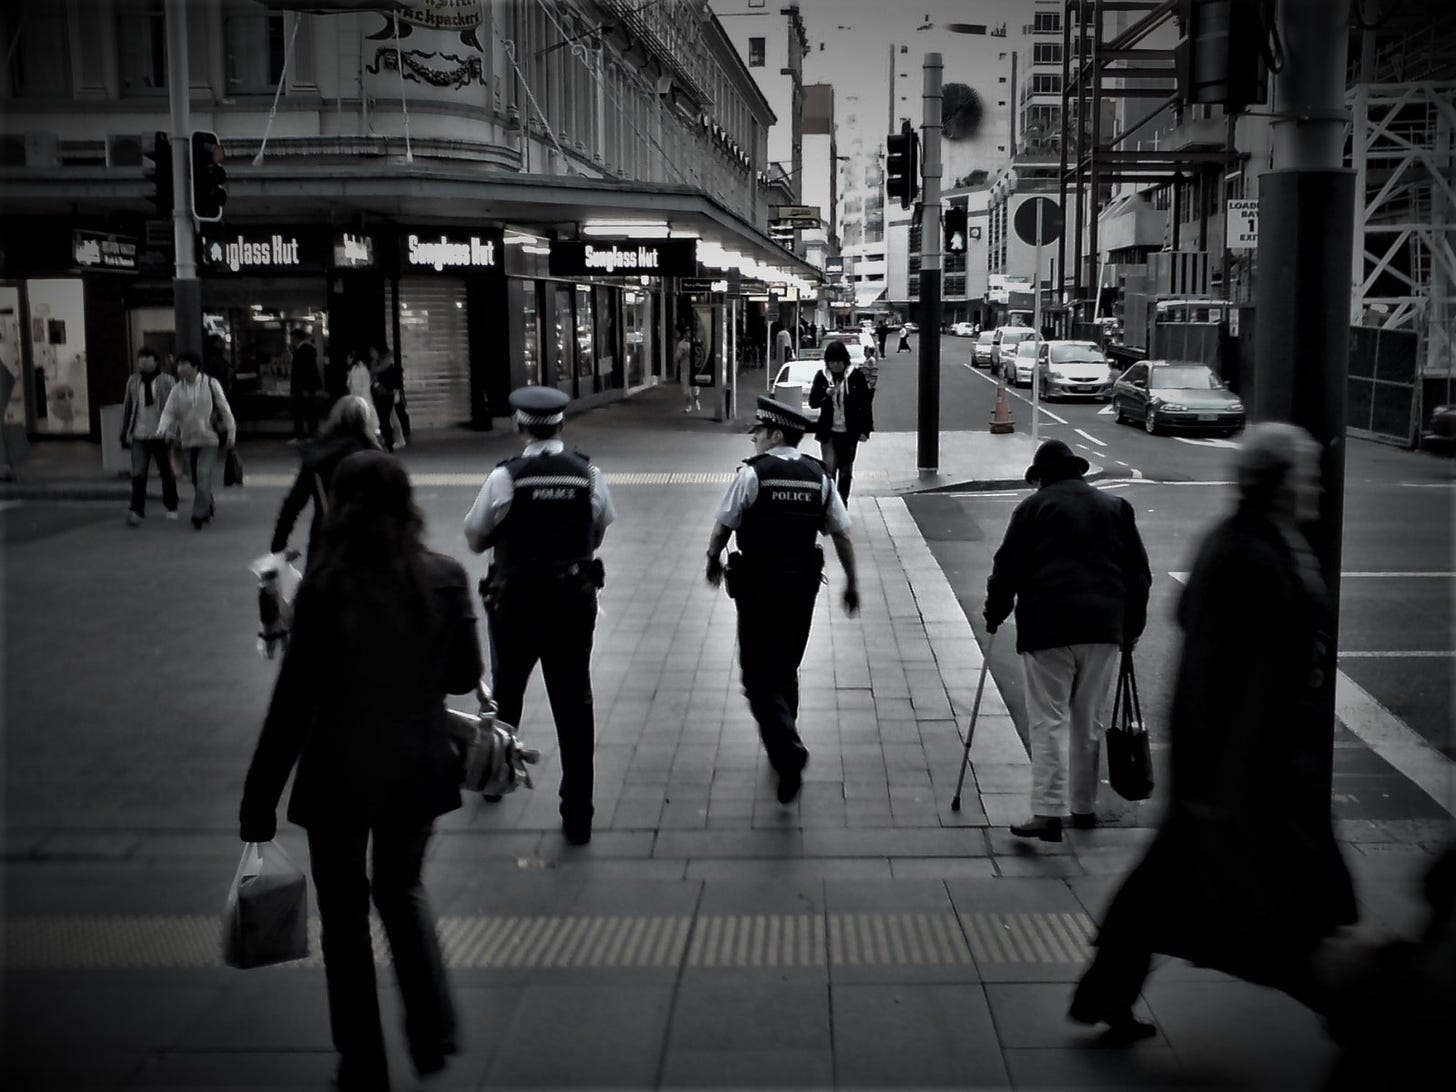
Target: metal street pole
928,445
1036,322
1306,213
186,288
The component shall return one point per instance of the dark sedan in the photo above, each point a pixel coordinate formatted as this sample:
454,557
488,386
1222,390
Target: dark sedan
1165,395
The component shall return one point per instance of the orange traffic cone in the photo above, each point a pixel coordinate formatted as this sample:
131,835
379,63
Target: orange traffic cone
1001,420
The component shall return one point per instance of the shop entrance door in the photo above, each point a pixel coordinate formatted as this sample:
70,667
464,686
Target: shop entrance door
434,350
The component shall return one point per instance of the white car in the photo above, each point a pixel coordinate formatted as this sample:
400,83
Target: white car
1023,365
1074,369
791,385
1003,347
962,329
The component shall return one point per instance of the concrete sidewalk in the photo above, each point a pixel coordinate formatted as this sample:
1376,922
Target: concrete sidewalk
865,936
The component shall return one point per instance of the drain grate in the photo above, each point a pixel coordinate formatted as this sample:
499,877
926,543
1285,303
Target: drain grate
485,942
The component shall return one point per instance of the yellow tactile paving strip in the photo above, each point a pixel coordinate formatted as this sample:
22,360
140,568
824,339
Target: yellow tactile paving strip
426,479
485,942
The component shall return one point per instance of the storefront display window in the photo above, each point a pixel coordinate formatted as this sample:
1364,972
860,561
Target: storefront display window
58,355
585,333
634,323
10,358
246,329
608,371
565,358
530,333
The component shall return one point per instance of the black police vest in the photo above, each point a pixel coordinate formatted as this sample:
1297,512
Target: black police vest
781,527
549,524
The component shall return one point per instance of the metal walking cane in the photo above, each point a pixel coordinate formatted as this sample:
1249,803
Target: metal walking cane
955,804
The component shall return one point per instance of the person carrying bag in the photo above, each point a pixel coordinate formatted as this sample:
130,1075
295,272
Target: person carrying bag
1129,757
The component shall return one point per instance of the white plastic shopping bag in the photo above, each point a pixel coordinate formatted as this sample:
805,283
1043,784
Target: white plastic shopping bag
265,919
278,582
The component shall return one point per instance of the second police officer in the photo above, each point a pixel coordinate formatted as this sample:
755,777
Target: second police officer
778,505
545,513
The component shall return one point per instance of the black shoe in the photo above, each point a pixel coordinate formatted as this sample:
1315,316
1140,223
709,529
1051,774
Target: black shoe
578,831
491,797
1125,1031
196,523
1046,827
1084,820
429,1062
790,782
358,1078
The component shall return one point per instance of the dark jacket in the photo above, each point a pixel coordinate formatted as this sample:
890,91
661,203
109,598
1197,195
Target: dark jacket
320,458
370,745
303,376
859,411
1244,874
1074,565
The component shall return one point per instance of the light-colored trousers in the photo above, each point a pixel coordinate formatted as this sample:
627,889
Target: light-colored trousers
1067,693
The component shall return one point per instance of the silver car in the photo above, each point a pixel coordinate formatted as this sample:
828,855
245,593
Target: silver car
1073,369
1003,347
981,351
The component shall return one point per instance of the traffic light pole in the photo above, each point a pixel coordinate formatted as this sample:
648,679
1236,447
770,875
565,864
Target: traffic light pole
1306,224
186,288
927,458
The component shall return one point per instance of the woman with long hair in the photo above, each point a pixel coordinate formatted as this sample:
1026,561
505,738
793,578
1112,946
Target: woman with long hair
349,429
383,629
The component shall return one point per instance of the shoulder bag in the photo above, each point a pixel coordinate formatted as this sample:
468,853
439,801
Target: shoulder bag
1129,758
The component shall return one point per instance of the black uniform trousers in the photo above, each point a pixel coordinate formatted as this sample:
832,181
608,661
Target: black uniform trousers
343,888
550,620
775,612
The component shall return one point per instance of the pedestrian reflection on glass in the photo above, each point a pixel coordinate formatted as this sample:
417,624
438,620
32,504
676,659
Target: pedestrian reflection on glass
1244,875
383,629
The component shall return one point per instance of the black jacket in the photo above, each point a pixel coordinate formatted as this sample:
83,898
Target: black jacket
859,411
370,745
320,458
1074,565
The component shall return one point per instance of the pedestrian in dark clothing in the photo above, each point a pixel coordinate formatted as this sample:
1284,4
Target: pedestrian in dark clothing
882,335
304,383
776,508
1244,875
141,412
349,429
1074,565
545,513
845,402
387,390
383,629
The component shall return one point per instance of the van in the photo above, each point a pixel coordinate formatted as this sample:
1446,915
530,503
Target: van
1003,346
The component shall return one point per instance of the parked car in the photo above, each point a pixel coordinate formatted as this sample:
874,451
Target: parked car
791,385
1021,366
1163,394
981,350
962,329
1073,369
1009,336
1440,431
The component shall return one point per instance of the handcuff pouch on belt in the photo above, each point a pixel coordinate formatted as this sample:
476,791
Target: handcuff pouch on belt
492,586
740,572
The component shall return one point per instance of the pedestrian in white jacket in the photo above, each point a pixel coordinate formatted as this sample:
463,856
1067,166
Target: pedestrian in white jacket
197,417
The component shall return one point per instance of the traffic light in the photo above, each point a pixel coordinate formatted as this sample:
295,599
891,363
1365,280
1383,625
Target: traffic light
955,229
902,165
159,173
1218,59
209,179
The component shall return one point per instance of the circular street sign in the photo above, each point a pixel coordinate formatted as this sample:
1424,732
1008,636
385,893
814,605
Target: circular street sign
1051,221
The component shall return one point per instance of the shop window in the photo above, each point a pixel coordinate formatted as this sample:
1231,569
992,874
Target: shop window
246,347
59,393
636,331
254,42
10,358
564,355
37,54
585,340
530,333
755,52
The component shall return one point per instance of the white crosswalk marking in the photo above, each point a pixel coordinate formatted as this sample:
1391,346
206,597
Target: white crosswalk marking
1205,441
1106,411
1088,435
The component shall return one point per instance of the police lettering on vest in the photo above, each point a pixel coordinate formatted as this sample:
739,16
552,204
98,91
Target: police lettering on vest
550,521
782,524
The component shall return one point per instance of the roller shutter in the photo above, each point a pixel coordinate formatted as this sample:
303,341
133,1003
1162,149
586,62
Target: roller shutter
434,339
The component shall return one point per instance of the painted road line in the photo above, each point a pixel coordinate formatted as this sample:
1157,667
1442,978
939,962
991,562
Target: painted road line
1399,575
1205,441
1106,411
1020,397
1088,435
1411,655
1390,737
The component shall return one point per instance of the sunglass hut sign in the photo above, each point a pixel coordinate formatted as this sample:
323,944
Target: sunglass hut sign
240,252
441,252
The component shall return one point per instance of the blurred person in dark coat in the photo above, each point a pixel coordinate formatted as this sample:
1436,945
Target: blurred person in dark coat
349,429
304,382
383,629
845,400
1244,875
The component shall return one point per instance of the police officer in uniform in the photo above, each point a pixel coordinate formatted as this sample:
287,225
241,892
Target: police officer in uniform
545,513
777,506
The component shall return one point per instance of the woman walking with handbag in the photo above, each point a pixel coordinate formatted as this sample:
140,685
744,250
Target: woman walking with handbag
1244,875
383,629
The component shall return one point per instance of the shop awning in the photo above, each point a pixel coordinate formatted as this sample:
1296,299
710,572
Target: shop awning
864,295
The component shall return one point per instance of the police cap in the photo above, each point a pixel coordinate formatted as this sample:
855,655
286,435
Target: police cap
539,405
776,414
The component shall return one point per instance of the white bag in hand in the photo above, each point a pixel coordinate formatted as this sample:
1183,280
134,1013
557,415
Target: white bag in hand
278,582
266,917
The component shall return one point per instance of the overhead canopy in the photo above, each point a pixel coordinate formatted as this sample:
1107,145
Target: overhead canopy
864,295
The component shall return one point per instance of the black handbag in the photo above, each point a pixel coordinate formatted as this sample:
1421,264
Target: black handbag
232,467
1129,758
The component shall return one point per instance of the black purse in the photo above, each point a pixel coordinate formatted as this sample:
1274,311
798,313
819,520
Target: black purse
1129,758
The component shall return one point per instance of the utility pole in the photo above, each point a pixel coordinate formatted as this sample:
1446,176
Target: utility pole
928,445
1306,210
186,288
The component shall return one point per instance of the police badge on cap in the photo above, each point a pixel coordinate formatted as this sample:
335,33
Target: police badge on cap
539,405
776,414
